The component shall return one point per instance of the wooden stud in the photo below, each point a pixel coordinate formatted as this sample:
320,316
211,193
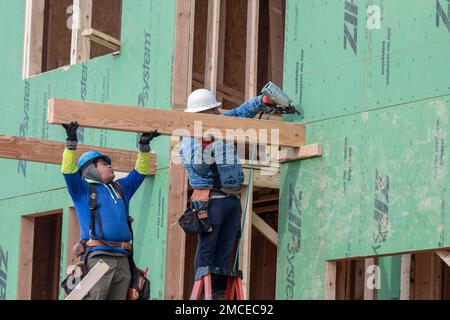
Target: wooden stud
305,152
276,53
89,281
369,293
423,276
26,258
82,20
33,37
73,236
102,39
265,229
245,252
330,280
405,277
167,122
212,45
263,181
360,283
251,69
221,47
51,152
445,256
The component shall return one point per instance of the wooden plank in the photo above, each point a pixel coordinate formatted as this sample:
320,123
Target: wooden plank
276,53
423,278
445,256
305,152
167,122
89,281
360,277
212,45
369,293
176,239
51,152
102,39
245,252
73,236
437,277
405,277
263,181
265,229
25,258
183,53
33,38
330,280
221,48
266,209
251,65
82,20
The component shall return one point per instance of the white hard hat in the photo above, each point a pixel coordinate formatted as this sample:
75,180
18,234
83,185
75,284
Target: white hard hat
201,100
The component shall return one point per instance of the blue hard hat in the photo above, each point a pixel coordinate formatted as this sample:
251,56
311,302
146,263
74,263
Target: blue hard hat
90,156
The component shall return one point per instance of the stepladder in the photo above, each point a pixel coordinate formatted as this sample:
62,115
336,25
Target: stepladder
203,283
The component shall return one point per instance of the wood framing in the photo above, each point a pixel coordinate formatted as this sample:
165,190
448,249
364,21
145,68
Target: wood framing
305,152
51,152
330,280
167,122
212,45
276,53
102,39
369,293
445,256
405,277
82,20
33,36
265,229
251,69
73,236
245,251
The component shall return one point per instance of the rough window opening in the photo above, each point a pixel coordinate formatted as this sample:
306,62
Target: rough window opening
415,276
51,42
40,255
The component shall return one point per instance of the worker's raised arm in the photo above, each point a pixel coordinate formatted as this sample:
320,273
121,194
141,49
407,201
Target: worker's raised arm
74,182
135,178
248,109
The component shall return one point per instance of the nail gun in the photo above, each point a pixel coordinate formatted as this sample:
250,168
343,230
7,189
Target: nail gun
284,104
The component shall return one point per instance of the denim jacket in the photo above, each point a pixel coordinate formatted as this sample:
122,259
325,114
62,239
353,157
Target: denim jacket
197,159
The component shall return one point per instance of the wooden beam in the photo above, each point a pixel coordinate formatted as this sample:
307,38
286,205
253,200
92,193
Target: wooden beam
25,258
221,48
51,152
360,277
263,181
176,239
445,256
183,53
245,252
265,229
167,122
89,281
73,236
276,53
305,152
405,277
251,65
82,20
102,39
212,45
33,37
369,293
222,91
330,280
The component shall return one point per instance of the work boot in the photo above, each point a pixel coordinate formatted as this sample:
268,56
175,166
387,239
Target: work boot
219,295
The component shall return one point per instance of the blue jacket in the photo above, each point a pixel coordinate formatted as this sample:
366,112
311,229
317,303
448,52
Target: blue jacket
112,209
197,161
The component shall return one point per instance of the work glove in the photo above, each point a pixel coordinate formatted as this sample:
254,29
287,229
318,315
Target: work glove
145,138
71,131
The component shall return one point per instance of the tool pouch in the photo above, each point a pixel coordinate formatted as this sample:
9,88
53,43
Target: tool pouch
195,219
79,248
139,286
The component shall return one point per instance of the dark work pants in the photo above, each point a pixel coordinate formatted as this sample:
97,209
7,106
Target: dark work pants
214,249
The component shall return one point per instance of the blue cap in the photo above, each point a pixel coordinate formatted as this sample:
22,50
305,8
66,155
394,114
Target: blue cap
90,156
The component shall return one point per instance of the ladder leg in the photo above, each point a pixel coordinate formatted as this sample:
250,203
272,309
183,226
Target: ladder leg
239,289
208,287
231,289
197,290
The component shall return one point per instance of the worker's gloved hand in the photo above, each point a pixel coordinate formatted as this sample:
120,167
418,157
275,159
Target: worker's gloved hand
71,131
145,138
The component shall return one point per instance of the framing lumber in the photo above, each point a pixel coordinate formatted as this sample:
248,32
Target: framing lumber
82,20
102,39
245,252
221,48
276,53
369,294
445,256
167,122
405,277
265,229
305,152
25,259
212,45
51,152
251,65
89,281
33,36
222,91
330,280
73,236
262,181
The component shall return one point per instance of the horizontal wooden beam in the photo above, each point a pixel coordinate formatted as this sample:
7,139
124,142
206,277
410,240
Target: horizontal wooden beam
265,229
175,123
102,39
305,152
51,152
260,180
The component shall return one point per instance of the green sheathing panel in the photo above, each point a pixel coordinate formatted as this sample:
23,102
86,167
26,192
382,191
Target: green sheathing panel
140,76
381,114
389,278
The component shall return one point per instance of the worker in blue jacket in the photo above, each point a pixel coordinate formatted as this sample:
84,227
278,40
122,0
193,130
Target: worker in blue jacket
105,231
215,165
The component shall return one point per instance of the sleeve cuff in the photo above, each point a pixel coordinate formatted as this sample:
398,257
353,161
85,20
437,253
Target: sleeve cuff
69,162
143,163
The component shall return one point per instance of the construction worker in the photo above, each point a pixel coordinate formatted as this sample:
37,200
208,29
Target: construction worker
106,229
219,171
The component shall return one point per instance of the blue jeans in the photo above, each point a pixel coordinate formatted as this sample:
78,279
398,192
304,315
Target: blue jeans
214,249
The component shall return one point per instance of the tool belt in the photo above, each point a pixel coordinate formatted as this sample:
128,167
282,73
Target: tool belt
123,245
195,218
